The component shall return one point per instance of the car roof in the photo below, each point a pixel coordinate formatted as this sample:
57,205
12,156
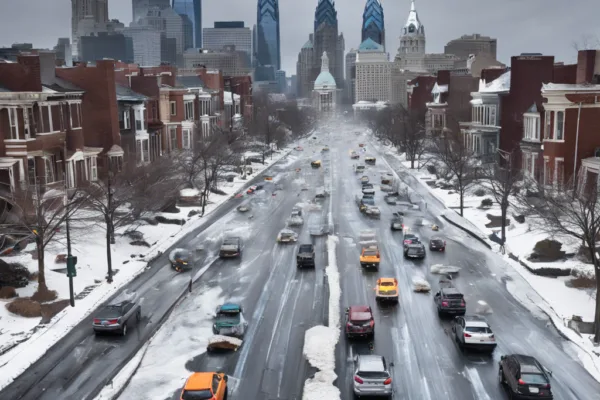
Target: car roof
527,361
436,238
199,381
230,307
451,290
371,363
387,279
409,235
359,308
476,324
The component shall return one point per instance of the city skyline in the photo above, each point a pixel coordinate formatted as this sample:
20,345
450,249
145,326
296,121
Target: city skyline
297,22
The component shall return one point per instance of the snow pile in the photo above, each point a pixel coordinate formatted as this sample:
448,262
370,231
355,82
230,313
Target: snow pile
295,221
421,285
315,207
320,341
441,269
483,308
189,192
216,339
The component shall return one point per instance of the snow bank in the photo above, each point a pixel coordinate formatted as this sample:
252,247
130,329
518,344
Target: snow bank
221,338
483,308
441,269
421,285
125,374
189,192
295,221
320,341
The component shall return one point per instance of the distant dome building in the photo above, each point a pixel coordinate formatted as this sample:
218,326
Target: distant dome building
325,89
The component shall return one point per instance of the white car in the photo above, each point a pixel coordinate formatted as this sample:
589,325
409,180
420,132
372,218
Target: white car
368,189
373,211
296,218
473,331
287,236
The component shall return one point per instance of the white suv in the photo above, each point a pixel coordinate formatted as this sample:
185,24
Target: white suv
472,331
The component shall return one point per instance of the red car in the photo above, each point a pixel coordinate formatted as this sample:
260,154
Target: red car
359,322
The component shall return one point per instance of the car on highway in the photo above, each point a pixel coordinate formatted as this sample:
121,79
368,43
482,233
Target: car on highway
359,169
436,243
372,377
386,290
324,149
449,300
410,238
523,377
299,148
287,236
473,332
361,145
181,260
305,256
243,208
316,164
364,180
295,218
115,317
414,250
229,320
370,257
373,212
354,155
359,322
253,189
231,247
205,386
370,160
397,222
368,189
391,199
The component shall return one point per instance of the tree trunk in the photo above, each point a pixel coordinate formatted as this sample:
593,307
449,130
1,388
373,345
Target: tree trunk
108,254
504,209
41,268
461,193
412,162
597,311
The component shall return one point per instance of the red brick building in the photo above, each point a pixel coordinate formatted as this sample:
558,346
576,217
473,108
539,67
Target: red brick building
419,93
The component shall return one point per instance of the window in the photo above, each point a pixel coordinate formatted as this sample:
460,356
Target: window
547,176
173,108
531,126
173,138
492,119
559,125
49,166
50,119
189,110
31,170
534,157
93,168
127,119
116,163
548,126
186,139
559,172
14,123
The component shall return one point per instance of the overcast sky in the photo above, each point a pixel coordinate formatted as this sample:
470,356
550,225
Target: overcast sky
542,26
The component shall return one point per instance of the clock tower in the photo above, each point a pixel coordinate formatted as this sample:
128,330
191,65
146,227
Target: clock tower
411,53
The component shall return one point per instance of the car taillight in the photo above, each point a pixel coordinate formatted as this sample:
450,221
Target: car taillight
96,321
388,381
358,380
444,304
372,323
467,335
521,382
348,325
546,386
462,303
113,321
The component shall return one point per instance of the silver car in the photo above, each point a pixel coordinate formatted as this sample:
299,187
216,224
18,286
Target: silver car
372,377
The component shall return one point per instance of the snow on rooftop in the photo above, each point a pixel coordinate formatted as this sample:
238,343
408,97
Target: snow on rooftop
567,87
439,88
227,97
500,84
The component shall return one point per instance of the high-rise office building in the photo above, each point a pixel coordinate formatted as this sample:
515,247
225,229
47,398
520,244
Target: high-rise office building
268,51
64,52
281,80
373,23
105,45
326,39
304,69
147,44
193,10
80,9
474,44
141,7
228,33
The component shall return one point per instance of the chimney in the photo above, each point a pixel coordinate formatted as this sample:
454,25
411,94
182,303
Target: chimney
33,83
586,60
47,67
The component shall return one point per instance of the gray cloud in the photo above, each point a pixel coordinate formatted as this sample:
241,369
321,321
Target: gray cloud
546,26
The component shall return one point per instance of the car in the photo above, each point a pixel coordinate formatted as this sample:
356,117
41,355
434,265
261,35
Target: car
181,260
205,385
436,243
231,247
115,317
361,145
368,189
370,257
254,189
449,300
295,218
473,331
372,377
524,377
324,149
368,199
410,238
364,180
359,322
391,199
373,212
305,256
386,290
299,148
229,320
287,236
387,179
358,169
320,193
243,208
414,250
397,223
316,164
370,160
354,155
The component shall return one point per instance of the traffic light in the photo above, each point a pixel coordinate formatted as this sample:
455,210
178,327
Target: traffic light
71,262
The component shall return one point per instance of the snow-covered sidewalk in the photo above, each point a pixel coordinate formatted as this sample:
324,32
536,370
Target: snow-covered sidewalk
562,301
91,289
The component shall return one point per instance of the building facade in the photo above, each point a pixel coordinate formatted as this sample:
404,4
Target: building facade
281,80
326,39
373,25
350,82
104,45
147,44
325,90
193,10
140,8
229,33
474,44
268,50
228,60
64,52
304,69
373,73
97,10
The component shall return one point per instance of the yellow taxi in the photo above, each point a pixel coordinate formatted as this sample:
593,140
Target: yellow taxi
205,385
370,257
387,290
316,164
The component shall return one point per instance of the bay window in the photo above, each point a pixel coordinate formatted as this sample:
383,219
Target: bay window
531,127
559,125
14,123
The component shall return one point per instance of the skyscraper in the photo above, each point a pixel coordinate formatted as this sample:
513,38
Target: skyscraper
268,56
373,23
226,33
141,7
80,9
326,39
193,10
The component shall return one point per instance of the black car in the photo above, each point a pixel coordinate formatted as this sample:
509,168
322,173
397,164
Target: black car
114,318
410,238
305,256
524,377
414,250
436,243
231,247
397,223
450,301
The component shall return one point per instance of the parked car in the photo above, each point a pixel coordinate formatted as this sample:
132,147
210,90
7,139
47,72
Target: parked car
370,160
316,164
359,322
115,317
231,247
368,189
305,256
359,169
372,377
524,377
473,332
373,212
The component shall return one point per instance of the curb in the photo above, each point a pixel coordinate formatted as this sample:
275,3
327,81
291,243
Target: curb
473,235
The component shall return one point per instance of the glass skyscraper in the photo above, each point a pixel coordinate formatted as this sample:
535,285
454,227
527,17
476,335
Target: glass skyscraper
373,23
268,56
193,10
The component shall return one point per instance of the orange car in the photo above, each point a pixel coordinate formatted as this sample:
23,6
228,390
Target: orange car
205,385
370,257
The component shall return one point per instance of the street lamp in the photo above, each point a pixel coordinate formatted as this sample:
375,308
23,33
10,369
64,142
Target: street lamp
71,260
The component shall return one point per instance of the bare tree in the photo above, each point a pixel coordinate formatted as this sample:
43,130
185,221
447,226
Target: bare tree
575,213
502,178
123,197
411,134
586,42
450,149
41,213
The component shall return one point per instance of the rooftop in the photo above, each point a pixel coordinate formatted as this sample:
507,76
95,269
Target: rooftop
371,363
61,86
569,87
498,85
369,45
126,94
190,82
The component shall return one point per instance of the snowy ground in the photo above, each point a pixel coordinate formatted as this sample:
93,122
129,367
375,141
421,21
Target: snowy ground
26,340
562,301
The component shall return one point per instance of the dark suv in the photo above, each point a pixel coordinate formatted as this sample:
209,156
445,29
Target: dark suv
305,256
450,300
524,377
359,322
231,247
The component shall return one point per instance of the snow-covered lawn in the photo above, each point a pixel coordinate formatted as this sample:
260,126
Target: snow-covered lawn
24,340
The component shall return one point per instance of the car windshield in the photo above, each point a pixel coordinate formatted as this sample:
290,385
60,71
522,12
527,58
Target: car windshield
454,296
373,374
478,329
368,201
534,379
370,253
387,283
197,395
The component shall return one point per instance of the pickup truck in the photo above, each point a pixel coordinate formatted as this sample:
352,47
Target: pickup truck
305,256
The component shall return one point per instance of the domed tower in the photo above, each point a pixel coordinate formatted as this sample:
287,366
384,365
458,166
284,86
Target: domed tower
411,52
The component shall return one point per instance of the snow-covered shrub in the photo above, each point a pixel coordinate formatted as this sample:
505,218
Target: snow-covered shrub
480,192
486,203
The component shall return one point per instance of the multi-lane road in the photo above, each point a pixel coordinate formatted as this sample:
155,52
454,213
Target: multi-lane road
281,302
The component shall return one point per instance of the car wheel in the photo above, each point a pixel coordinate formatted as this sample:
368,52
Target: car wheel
500,376
226,392
440,314
124,330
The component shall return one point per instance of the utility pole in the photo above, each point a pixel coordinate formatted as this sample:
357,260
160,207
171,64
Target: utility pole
71,260
109,276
